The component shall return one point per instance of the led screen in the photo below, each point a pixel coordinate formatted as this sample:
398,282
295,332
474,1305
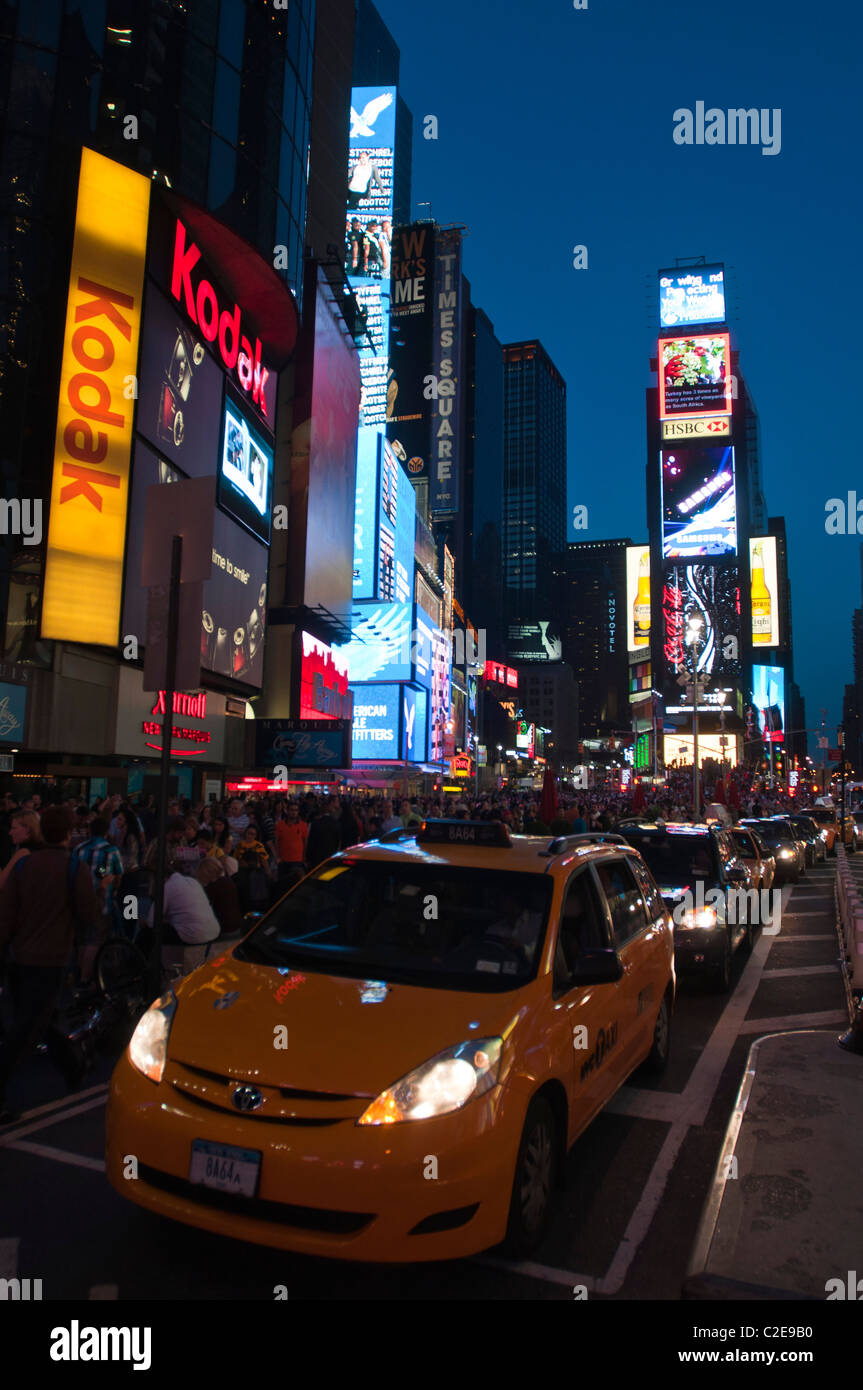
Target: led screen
701,616
235,596
396,531
375,730
245,472
380,645
695,295
695,376
699,515
764,591
638,599
415,719
323,682
180,390
768,697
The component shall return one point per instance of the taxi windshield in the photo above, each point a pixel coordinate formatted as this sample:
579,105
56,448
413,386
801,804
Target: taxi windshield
437,925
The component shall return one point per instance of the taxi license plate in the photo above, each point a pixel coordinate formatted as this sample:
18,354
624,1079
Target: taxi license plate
225,1168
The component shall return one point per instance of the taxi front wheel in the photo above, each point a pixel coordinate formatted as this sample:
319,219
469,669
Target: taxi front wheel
534,1182
657,1058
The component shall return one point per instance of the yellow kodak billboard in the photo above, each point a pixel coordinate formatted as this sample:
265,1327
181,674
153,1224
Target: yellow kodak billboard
90,488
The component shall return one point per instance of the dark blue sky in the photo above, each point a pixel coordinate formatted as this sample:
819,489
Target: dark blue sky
555,128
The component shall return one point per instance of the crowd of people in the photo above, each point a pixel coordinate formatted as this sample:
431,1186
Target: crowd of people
74,873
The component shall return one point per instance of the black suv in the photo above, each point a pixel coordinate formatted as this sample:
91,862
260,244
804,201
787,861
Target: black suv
693,860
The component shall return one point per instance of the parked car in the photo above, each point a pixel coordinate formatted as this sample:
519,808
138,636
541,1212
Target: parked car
828,825
807,853
787,851
756,855
690,862
811,837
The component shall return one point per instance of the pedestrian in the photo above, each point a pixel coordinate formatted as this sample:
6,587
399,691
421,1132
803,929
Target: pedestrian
188,919
324,835
26,835
48,898
222,894
106,866
292,833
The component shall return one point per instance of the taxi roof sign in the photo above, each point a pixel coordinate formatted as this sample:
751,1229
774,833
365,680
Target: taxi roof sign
464,832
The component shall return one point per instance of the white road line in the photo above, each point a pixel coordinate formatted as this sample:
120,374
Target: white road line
640,1221
788,971
792,1022
536,1271
18,1131
812,936
63,1101
804,912
103,1291
96,1165
9,1257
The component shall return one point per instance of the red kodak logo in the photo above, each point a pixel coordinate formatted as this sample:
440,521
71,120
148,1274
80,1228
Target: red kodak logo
202,306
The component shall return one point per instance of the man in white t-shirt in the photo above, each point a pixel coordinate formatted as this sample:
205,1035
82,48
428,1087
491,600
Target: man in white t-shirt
188,910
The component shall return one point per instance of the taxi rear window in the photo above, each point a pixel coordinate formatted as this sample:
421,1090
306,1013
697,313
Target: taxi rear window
439,926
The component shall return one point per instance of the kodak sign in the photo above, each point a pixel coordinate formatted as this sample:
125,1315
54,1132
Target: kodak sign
90,487
221,327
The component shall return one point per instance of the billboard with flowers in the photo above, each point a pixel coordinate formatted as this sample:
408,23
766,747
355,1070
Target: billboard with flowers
695,376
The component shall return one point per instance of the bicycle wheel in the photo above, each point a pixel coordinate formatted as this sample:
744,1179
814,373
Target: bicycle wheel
120,968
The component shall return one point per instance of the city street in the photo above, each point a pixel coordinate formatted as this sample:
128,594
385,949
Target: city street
624,1227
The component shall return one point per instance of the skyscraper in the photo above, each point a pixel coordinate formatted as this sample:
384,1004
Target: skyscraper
590,599
534,478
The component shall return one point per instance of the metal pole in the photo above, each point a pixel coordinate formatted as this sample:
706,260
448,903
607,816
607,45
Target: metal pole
165,770
695,788
842,766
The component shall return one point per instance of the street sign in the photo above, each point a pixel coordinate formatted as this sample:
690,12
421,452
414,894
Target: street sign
834,754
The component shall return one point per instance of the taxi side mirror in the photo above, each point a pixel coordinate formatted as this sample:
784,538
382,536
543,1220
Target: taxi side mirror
597,967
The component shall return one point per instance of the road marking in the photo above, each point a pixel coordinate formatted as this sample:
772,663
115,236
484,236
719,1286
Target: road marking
805,912
810,936
96,1165
101,1089
788,971
18,1131
537,1271
9,1257
793,1022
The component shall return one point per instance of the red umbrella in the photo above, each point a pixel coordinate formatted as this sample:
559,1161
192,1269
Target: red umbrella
548,803
638,797
733,795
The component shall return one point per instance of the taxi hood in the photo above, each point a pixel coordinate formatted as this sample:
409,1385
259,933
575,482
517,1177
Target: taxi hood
344,1035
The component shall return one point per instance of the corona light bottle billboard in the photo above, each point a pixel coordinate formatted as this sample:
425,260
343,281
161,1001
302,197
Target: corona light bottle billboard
762,603
641,606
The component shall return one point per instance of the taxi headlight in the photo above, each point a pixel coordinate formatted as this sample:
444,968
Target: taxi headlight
702,917
825,834
786,854
148,1048
444,1083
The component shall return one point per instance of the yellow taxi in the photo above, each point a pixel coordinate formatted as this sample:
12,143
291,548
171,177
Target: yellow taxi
392,1065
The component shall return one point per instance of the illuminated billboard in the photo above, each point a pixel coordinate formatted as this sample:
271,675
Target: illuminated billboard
701,621
368,235
233,617
245,472
695,376
540,641
764,591
366,513
699,513
396,531
692,295
376,722
324,690
768,697
638,599
414,724
82,593
380,645
525,737
446,413
179,389
410,361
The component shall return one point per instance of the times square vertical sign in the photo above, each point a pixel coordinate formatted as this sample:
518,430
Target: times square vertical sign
368,240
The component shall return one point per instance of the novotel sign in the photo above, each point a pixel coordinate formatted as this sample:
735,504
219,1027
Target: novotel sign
223,327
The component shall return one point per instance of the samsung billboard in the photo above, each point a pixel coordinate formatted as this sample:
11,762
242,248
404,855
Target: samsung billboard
699,513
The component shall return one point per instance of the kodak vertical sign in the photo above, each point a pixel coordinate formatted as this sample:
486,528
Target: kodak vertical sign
90,488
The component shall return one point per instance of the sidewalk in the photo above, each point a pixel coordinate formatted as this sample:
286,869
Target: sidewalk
785,1213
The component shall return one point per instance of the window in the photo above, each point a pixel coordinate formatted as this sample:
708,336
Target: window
624,900
652,895
582,926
